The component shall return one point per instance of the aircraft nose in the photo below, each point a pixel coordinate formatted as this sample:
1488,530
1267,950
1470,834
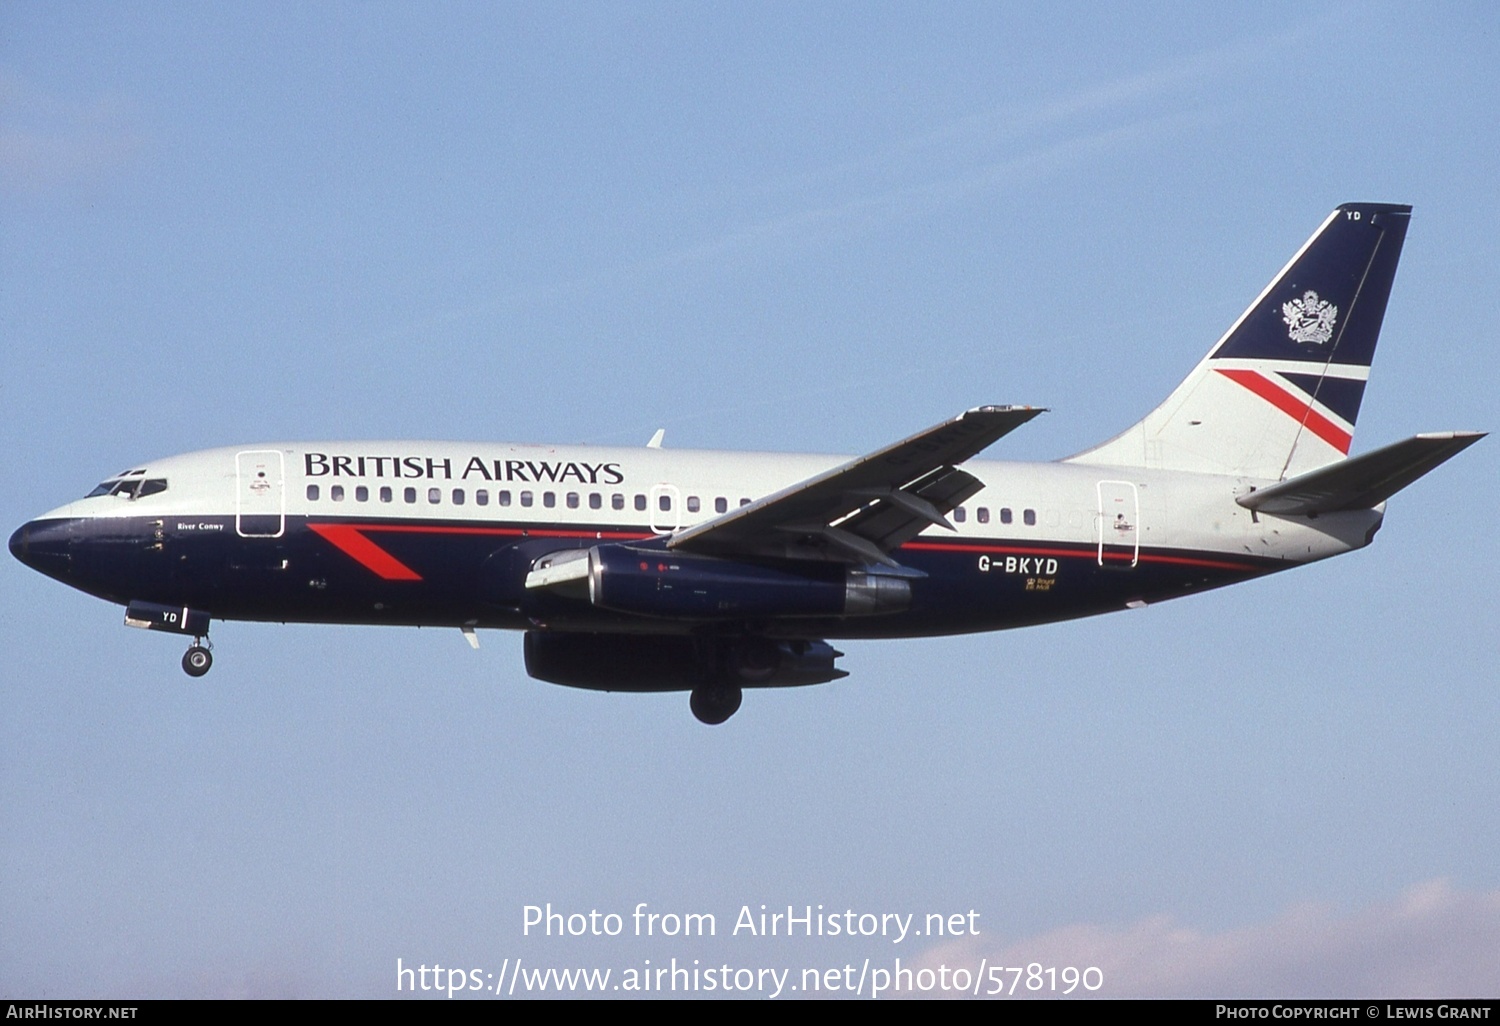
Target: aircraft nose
45,546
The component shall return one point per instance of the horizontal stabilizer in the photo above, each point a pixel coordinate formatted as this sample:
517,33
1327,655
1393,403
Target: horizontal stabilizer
1361,482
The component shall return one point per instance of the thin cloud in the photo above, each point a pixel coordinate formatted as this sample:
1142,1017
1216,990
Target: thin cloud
801,227
980,135
1433,941
1000,149
47,140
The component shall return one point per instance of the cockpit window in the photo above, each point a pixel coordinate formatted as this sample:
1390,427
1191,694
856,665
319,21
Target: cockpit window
130,485
113,485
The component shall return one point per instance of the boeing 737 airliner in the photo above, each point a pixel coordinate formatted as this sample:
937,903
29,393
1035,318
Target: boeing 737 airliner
651,569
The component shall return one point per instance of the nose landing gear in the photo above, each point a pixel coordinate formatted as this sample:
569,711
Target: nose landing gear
154,616
198,659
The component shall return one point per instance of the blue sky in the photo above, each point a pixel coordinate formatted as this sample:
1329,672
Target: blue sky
781,227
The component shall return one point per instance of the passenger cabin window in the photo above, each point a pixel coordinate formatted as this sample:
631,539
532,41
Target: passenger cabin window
1005,516
336,493
458,496
617,501
434,495
595,500
361,494
503,496
982,514
410,495
640,503
960,514
721,505
692,504
386,495
312,493
664,502
549,499
572,500
1030,517
481,497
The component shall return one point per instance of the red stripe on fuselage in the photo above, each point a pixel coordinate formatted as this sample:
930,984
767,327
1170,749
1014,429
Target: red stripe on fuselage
1291,406
981,548
350,539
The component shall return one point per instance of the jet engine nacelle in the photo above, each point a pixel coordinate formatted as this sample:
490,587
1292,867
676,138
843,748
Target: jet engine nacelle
655,582
655,662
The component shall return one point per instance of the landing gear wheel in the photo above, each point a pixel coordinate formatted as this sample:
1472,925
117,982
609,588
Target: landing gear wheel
715,704
197,660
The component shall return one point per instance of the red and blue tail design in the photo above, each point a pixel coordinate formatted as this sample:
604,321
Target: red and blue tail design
1278,395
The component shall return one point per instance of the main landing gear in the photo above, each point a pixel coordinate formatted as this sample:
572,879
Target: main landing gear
198,660
715,703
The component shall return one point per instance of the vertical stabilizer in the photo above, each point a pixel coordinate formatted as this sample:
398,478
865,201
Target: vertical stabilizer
1278,395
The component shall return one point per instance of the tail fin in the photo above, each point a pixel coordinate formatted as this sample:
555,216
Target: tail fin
1279,393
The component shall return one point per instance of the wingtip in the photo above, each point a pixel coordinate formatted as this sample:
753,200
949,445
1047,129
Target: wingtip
1005,409
1445,436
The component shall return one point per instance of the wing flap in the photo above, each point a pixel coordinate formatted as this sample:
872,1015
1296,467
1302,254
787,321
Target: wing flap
1363,481
903,513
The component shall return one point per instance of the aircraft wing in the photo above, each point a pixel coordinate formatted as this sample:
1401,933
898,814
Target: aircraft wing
1361,481
863,510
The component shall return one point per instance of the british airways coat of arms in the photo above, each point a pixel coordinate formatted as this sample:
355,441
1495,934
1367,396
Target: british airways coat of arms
1309,319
